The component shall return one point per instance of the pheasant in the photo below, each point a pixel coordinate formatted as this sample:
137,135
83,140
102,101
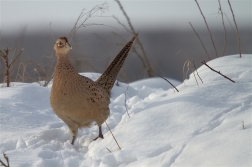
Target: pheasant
78,100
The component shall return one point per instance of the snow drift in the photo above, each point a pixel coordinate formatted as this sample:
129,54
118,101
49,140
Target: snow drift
198,126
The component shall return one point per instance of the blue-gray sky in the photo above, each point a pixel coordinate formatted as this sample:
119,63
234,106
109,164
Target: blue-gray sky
143,14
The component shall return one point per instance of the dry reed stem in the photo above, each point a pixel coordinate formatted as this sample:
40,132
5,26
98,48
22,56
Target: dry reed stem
145,58
112,133
237,32
185,75
244,49
204,62
50,25
225,32
207,28
201,42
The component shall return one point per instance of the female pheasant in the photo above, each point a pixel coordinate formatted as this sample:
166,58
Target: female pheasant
78,100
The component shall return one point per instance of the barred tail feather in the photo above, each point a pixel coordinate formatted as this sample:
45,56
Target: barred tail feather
107,79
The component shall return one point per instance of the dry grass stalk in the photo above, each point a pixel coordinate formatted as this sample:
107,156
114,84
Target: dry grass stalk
7,161
237,32
44,72
189,67
197,71
22,69
225,32
207,28
201,42
112,134
125,105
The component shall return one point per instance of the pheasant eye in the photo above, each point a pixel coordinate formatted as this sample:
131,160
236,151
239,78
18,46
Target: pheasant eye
59,43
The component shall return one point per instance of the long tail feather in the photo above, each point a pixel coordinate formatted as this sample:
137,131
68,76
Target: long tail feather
107,79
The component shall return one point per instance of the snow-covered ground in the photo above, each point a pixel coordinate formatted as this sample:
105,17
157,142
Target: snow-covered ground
198,126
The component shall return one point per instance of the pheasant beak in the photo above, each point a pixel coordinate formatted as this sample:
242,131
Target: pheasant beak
69,45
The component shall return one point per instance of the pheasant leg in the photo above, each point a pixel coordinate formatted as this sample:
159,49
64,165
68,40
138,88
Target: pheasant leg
74,137
100,133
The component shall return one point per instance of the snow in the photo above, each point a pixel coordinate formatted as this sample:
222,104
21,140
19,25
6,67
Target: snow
198,126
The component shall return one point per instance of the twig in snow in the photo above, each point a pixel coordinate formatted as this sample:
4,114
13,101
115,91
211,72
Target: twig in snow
204,62
108,150
111,133
7,160
201,42
225,32
207,28
243,126
164,79
237,32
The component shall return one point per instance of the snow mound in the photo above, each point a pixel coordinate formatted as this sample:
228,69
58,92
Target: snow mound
198,126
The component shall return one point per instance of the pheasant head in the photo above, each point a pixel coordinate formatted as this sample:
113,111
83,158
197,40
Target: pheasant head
62,46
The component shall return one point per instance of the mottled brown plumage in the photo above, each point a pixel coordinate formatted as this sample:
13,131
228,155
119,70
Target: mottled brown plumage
78,100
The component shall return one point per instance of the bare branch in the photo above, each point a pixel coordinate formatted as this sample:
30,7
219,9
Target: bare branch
86,16
204,62
118,21
16,57
2,54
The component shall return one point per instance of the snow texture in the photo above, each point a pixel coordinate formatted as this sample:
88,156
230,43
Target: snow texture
198,126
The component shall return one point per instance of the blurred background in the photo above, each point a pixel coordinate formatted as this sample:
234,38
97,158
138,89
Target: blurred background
166,36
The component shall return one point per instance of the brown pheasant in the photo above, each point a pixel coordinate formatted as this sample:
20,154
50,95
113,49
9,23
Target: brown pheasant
78,100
